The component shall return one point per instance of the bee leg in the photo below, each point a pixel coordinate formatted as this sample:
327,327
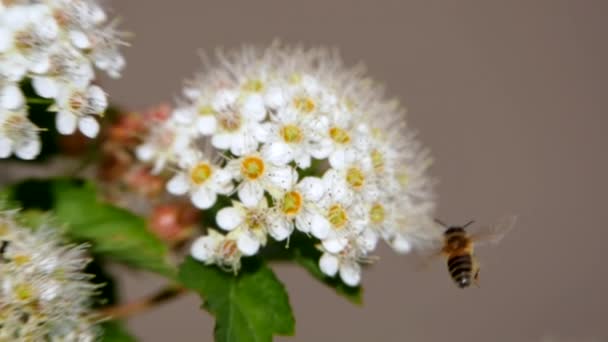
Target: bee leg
476,269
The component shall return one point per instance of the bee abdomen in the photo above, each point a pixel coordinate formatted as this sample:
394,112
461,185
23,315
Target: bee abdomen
461,269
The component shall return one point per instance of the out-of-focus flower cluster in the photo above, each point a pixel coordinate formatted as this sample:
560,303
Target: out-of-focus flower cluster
299,142
129,183
44,294
56,44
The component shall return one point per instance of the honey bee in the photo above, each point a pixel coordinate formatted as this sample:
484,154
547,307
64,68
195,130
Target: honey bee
458,248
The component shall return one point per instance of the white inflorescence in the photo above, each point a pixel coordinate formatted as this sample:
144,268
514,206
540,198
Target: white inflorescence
44,295
56,44
298,142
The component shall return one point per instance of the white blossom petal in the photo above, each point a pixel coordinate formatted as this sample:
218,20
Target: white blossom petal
203,247
320,227
251,193
312,188
88,126
11,97
334,244
66,122
351,274
207,124
274,97
203,198
79,39
229,218
222,141
280,228
278,153
282,177
328,264
247,244
254,108
29,150
178,185
401,244
45,87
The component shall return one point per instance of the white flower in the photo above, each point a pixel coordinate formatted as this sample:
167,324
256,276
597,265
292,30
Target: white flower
248,225
203,180
350,270
346,220
235,125
297,207
45,294
296,137
75,107
256,175
166,143
18,135
215,248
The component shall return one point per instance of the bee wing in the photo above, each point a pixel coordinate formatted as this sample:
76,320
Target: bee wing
493,233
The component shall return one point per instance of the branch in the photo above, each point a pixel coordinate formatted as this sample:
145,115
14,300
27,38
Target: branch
143,304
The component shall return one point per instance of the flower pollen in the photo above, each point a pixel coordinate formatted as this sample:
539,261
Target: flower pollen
291,134
339,135
355,177
337,216
252,168
292,203
201,173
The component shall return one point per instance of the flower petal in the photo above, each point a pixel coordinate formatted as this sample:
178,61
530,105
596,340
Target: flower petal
29,150
11,97
334,244
351,274
282,177
45,87
251,193
247,244
203,198
280,228
320,227
401,244
203,247
178,185
229,218
88,126
207,124
312,188
328,264
254,108
222,141
277,153
66,122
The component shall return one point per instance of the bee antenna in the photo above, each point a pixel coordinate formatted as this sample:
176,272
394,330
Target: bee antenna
441,223
468,223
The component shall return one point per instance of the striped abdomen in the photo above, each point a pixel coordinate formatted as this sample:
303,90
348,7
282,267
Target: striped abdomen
461,269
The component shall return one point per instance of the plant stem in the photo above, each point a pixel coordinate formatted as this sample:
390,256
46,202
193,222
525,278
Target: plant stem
132,308
32,100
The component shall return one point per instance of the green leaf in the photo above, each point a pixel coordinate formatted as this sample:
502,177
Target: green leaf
252,306
114,331
115,233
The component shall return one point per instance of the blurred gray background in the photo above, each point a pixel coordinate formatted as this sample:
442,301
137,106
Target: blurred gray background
511,98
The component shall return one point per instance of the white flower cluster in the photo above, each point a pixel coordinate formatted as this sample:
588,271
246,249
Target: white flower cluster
44,296
298,142
55,44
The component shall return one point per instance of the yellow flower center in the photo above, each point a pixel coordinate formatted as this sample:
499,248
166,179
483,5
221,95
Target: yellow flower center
337,216
376,213
252,168
230,121
377,160
291,133
292,203
304,104
295,78
403,178
206,110
339,135
201,173
355,177
254,220
24,291
21,259
254,86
